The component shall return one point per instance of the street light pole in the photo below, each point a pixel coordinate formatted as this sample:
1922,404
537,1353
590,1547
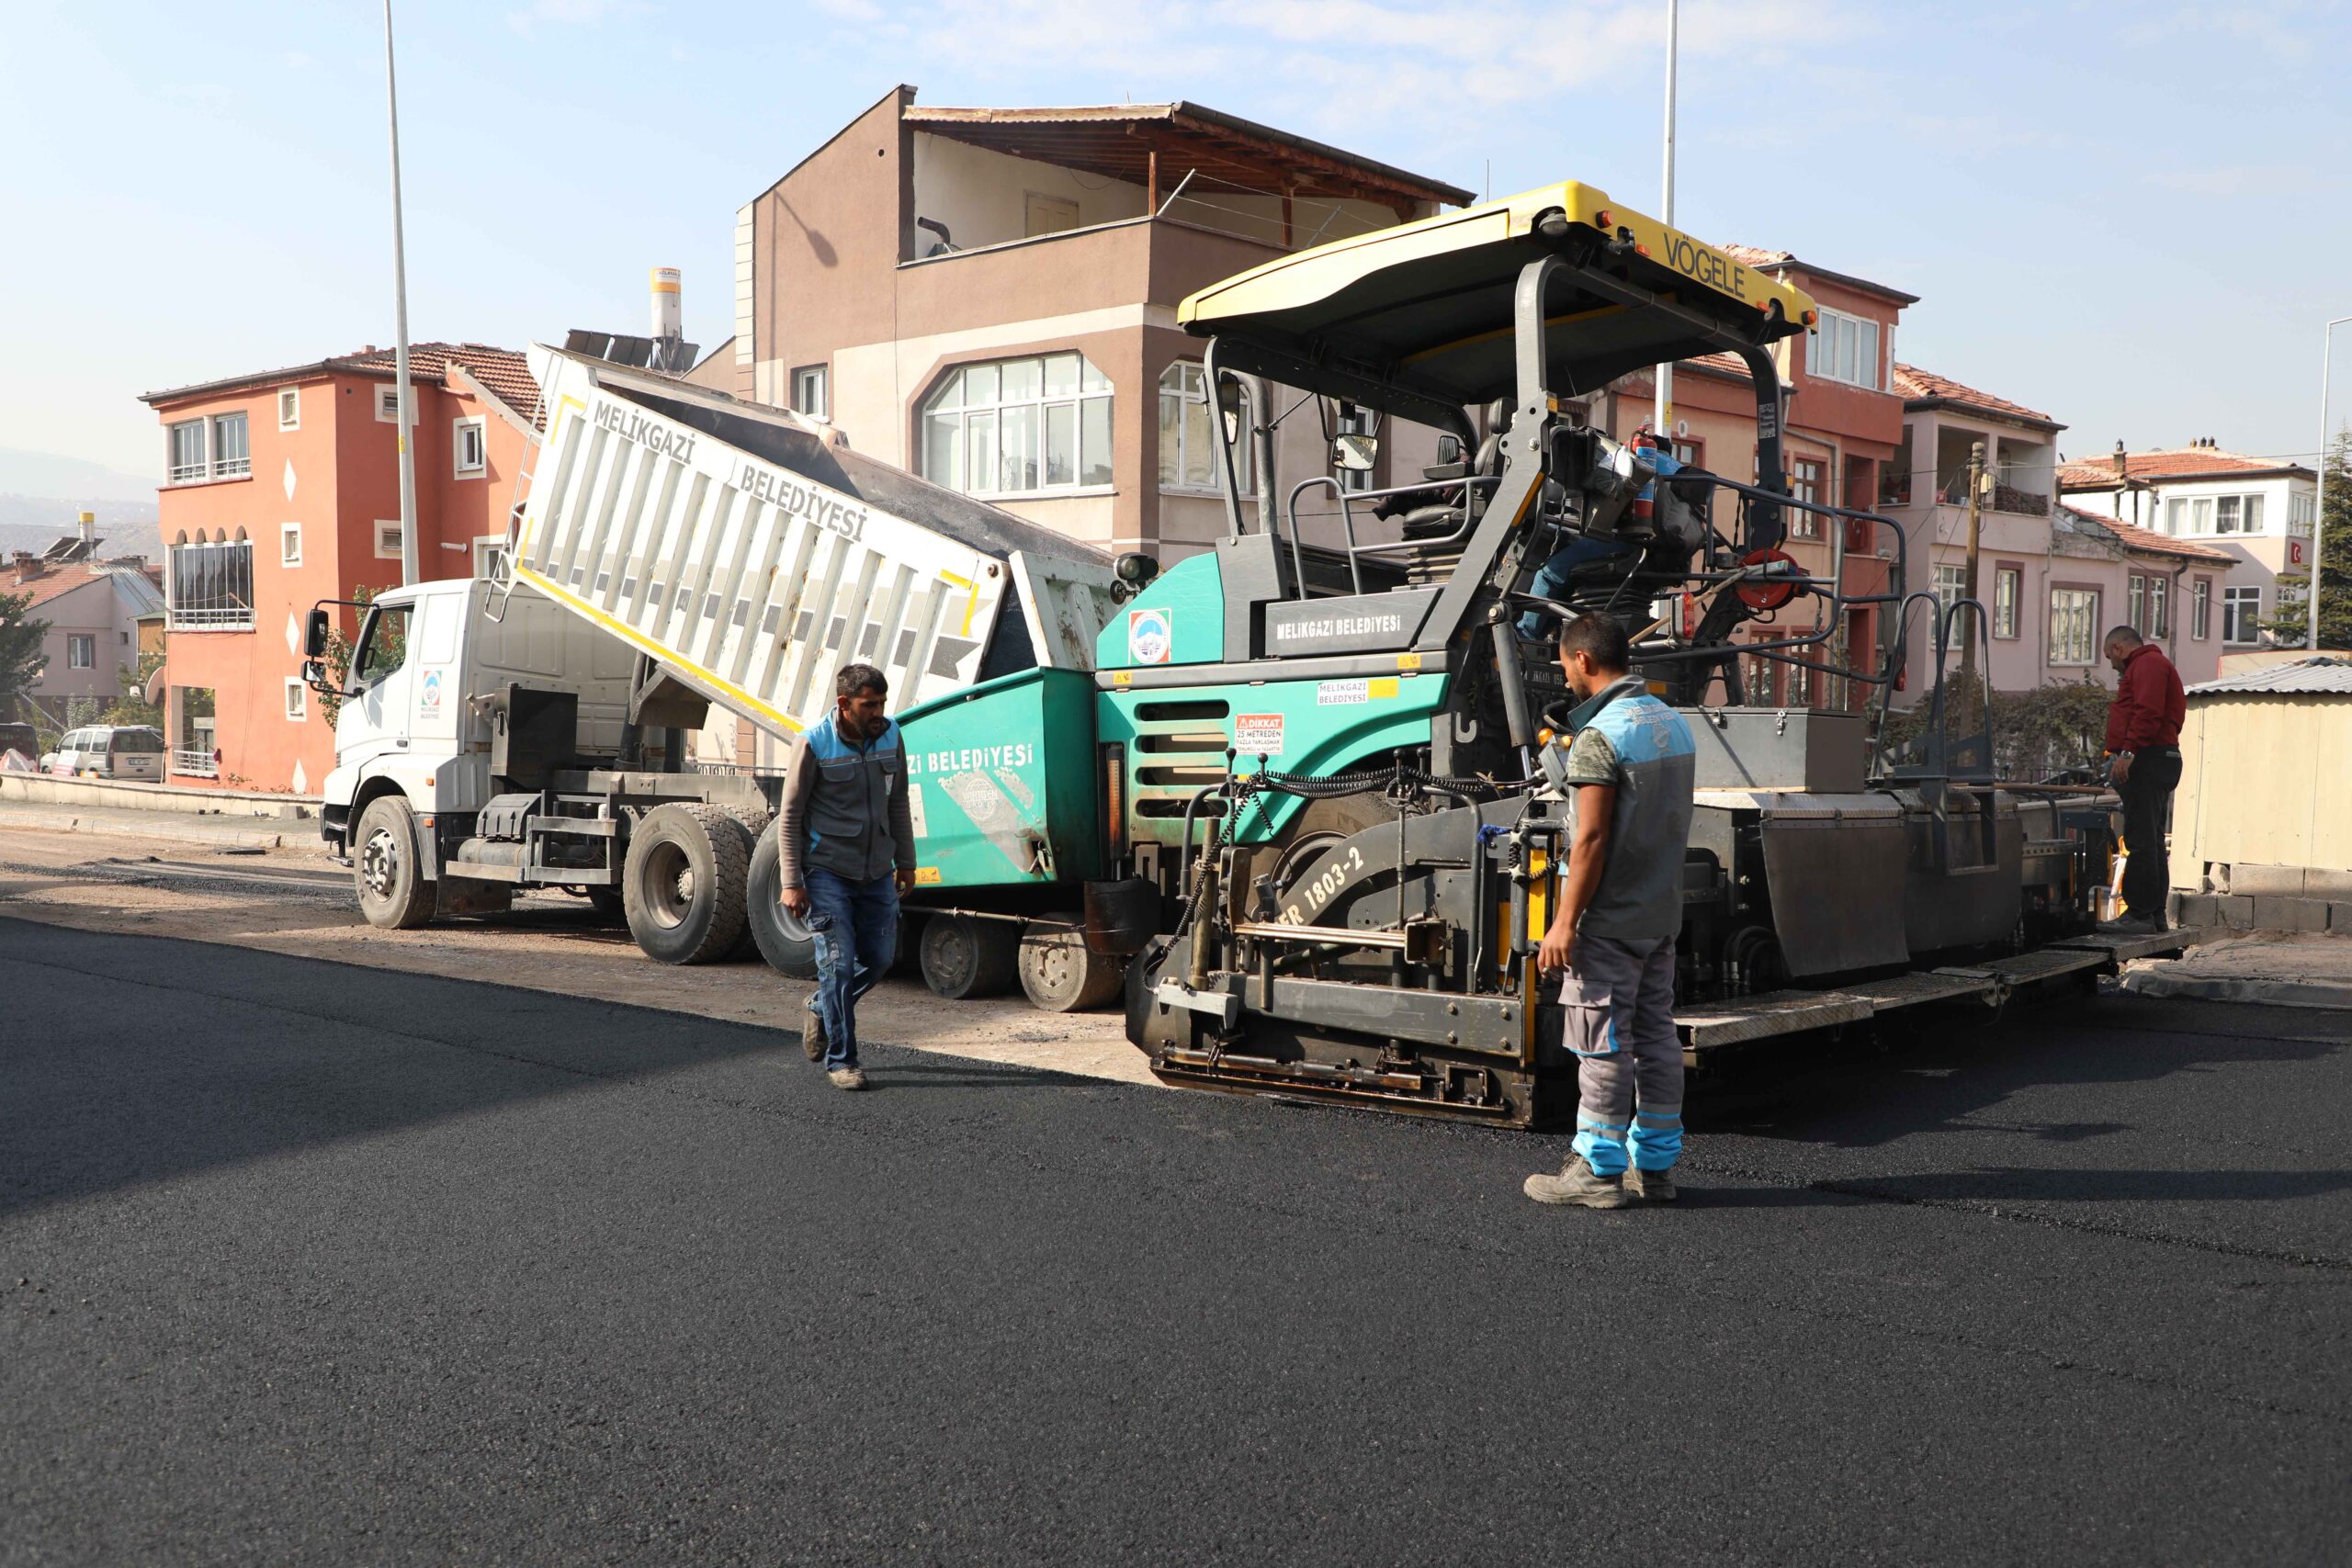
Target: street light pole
2319,504
409,572
1664,374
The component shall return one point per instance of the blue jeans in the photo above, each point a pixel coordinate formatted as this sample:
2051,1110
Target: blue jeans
856,928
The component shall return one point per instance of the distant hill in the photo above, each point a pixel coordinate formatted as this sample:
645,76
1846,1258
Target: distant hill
35,522
45,473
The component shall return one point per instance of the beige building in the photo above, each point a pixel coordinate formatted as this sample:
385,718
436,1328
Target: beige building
988,296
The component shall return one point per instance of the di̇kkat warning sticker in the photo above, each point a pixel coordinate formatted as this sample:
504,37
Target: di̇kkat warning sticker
1254,733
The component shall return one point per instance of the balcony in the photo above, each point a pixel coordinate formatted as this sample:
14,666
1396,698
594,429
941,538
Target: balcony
194,765
1954,491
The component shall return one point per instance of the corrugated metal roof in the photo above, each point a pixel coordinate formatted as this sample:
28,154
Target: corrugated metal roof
2300,677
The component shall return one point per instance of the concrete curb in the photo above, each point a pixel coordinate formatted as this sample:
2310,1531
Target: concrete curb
211,832
2329,995
124,795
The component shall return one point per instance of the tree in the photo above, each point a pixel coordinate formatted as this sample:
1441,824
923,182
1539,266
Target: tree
338,654
133,707
21,660
2334,566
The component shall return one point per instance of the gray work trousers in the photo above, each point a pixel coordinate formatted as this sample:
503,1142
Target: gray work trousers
1619,1000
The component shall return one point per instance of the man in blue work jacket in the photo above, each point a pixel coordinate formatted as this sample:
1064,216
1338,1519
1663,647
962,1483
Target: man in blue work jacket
845,849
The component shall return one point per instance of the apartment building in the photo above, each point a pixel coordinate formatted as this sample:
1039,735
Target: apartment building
987,295
2258,511
282,487
94,608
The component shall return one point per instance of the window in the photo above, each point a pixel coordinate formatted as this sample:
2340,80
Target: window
2200,515
290,408
2302,510
185,442
489,556
231,457
2159,625
2073,625
2226,514
383,643
298,699
1804,484
2240,613
2008,583
388,539
808,392
387,405
211,584
2201,608
289,544
2254,515
1844,348
1691,454
1951,585
1189,432
468,441
1016,427
81,651
2135,603
2175,516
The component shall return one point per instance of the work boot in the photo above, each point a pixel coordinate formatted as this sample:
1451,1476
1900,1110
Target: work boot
1651,1186
847,1077
2128,925
812,1033
1577,1183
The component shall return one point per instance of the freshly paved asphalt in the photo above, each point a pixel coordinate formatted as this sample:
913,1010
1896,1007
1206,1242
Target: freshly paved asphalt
304,1262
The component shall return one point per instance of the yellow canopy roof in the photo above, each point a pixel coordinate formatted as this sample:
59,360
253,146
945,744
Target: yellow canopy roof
1428,305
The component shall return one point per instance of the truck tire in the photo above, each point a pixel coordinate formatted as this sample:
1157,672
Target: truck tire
393,893
682,885
786,944
1059,973
963,957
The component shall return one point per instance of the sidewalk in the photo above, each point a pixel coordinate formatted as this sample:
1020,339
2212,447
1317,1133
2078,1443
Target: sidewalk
213,832
2303,969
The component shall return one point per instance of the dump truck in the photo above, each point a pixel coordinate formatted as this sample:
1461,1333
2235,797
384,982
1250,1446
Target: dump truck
1291,799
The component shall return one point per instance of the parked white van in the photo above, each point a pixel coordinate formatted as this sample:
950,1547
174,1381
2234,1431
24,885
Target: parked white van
110,751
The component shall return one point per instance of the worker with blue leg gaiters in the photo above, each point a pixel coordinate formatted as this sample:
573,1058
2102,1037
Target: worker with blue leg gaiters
1632,767
845,850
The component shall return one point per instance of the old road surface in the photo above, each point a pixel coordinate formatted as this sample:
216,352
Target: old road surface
308,1262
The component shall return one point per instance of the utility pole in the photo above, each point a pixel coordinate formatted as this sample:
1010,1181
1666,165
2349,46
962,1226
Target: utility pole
1975,525
409,572
2319,503
1662,415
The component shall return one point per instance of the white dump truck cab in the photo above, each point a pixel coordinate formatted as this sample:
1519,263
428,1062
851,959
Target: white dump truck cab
429,713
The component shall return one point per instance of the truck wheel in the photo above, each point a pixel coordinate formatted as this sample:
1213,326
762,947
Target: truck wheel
392,892
962,958
786,944
682,885
1058,971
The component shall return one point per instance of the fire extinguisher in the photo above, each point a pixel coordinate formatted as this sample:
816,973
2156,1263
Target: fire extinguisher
1645,499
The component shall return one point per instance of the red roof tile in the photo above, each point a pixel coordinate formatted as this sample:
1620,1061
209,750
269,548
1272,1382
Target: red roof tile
1748,256
1925,386
2133,536
506,373
2170,463
54,583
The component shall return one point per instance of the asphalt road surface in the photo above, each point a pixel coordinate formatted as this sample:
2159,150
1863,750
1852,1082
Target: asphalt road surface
308,1262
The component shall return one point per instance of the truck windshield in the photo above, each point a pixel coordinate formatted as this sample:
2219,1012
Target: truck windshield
383,643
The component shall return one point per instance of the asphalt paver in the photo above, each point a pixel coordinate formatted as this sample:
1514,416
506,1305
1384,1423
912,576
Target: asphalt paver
301,1262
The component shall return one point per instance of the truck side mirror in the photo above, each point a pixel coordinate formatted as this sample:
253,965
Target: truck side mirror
314,634
1353,452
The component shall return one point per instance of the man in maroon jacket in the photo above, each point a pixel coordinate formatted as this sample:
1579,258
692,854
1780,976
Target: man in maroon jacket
2143,746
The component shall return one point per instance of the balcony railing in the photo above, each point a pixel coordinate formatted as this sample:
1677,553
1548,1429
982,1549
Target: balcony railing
238,618
2005,498
194,765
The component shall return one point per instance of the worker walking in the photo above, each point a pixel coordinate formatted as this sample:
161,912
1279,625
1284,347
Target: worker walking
2143,749
1631,764
845,849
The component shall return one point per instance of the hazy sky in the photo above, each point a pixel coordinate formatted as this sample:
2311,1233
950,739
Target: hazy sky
2133,216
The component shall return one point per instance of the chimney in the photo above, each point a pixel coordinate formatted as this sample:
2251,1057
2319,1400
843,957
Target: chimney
28,566
2119,460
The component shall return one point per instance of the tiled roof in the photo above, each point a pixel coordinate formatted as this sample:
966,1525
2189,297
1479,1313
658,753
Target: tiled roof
1748,256
2133,536
1925,386
54,583
506,373
2169,463
2296,677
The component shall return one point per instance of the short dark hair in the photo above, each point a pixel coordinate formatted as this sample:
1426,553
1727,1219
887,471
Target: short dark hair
856,680
1601,637
2128,636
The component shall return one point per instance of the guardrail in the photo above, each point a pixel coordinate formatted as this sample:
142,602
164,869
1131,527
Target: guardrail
194,765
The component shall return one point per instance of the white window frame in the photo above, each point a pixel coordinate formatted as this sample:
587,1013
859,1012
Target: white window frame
2303,514
178,468
1807,524
2159,628
458,430
2251,517
241,465
2075,620
86,645
2245,601
2008,596
1951,584
487,548
2177,515
812,391
952,403
388,403
393,524
289,544
298,700
1190,390
1845,349
2200,515
2200,609
290,408
2229,514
